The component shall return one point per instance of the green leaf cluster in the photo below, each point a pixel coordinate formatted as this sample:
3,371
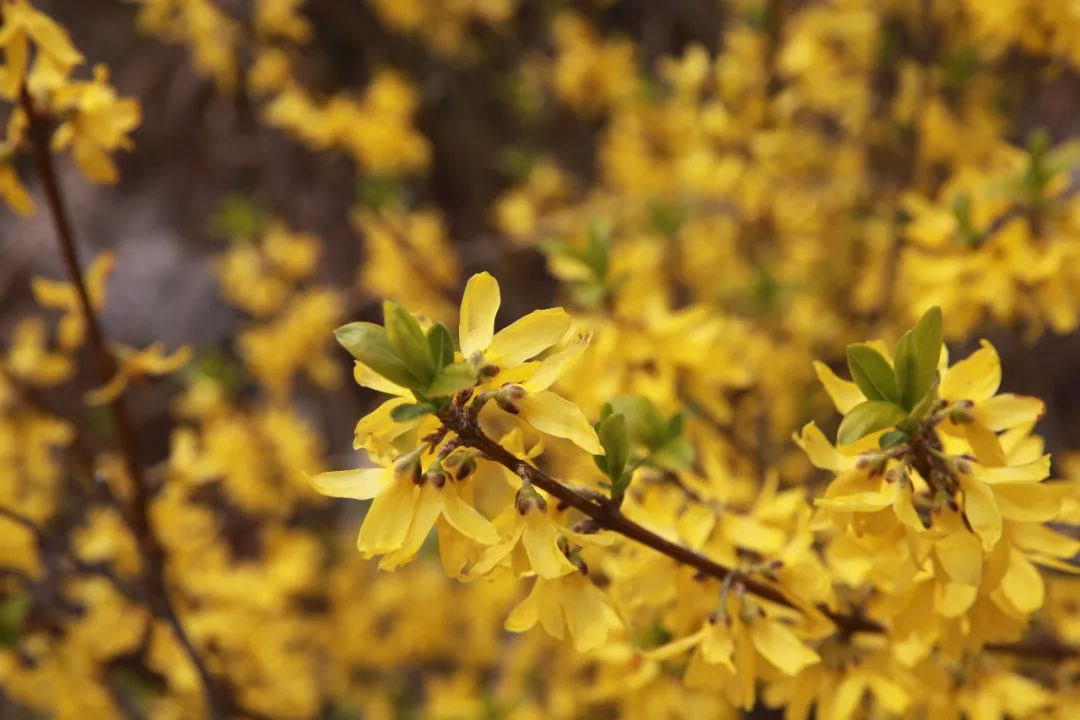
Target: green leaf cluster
595,258
898,394
404,354
633,432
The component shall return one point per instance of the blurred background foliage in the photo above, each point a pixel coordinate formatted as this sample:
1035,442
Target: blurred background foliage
727,190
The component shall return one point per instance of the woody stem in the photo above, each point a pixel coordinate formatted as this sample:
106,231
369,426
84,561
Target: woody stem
608,516
137,516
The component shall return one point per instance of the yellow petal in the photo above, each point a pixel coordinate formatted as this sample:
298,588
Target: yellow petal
478,307
96,277
954,599
976,377
904,508
526,613
781,647
1031,472
820,451
676,647
549,601
1027,502
858,502
1039,538
528,337
985,444
890,695
14,192
1022,583
49,293
557,363
1005,411
843,702
426,510
717,647
844,393
586,614
464,518
496,553
746,677
960,554
359,484
551,414
366,377
388,518
108,392
981,510
541,545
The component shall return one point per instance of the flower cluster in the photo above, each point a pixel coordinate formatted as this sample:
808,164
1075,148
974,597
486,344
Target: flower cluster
616,509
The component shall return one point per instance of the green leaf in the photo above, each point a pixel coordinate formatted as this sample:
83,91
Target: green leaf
644,423
916,358
411,411
238,218
597,253
675,454
367,342
612,433
866,418
451,379
13,612
440,345
924,404
892,438
408,341
872,373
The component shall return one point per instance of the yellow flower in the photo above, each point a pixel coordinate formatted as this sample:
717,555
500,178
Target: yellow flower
28,358
571,602
22,23
974,382
512,347
97,121
14,192
59,295
729,648
406,503
134,364
530,540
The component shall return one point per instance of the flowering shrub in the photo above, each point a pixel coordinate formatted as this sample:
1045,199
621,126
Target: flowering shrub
626,508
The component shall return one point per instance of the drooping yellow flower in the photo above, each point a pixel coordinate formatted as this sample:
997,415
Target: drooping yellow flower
29,359
134,364
730,647
59,295
408,499
97,121
23,24
569,601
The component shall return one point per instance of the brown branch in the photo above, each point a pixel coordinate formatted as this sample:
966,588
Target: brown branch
608,516
139,518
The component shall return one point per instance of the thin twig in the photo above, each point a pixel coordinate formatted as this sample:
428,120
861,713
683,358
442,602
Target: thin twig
139,517
608,516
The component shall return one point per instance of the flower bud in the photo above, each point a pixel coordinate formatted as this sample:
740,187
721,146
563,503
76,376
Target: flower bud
436,475
465,469
408,465
962,412
528,499
507,397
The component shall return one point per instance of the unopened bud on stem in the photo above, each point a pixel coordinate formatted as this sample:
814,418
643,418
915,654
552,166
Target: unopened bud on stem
508,396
